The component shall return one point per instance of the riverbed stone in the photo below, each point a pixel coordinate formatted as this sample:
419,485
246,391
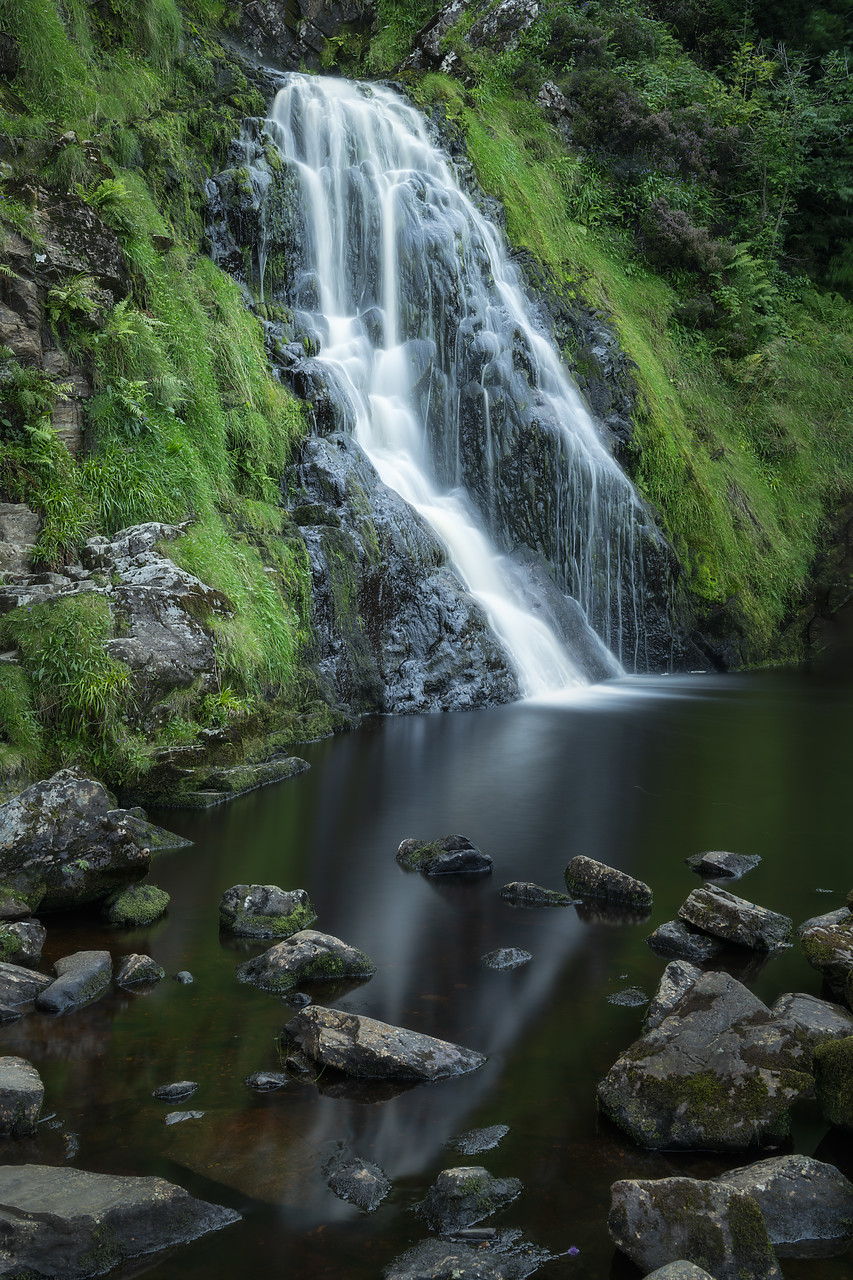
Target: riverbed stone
59,846
716,863
451,855
715,1226
827,944
833,1069
138,971
587,878
677,979
66,1223
137,906
80,979
265,911
524,893
21,941
477,1140
177,1091
362,1046
675,938
359,1181
21,1096
724,915
462,1196
506,958
20,986
305,956
718,1074
452,1260
680,1270
807,1205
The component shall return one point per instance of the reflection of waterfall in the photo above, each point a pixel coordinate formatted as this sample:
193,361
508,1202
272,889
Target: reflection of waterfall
427,346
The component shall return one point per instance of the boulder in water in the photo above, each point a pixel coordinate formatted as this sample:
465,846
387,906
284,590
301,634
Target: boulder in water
265,911
21,941
451,855
359,1181
506,958
137,906
723,915
138,971
20,986
587,878
21,1096
463,1196
827,944
80,979
303,957
724,866
675,938
523,893
807,1206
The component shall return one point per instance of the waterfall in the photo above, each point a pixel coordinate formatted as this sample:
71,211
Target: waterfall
461,403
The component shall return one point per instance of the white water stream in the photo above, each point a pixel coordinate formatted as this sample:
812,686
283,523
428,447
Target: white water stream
420,314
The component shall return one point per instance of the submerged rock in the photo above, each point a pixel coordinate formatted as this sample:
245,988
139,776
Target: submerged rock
21,942
590,879
138,971
305,956
715,1226
523,893
730,866
827,943
66,1223
807,1206
21,1096
675,938
80,979
136,907
722,914
718,1074
506,958
462,1196
360,1182
453,1260
451,855
179,1091
677,979
178,1117
628,998
477,1140
265,911
266,1081
361,1046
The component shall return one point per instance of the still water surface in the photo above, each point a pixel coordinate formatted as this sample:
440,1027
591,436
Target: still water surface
639,774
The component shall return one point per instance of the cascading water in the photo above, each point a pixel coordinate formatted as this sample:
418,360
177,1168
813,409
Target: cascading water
460,403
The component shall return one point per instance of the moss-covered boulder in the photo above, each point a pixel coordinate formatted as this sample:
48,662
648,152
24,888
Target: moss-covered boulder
587,878
451,855
833,1068
524,893
827,944
306,956
265,911
724,915
460,1197
136,907
21,941
807,1205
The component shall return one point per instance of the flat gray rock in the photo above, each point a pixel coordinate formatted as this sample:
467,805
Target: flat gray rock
361,1046
451,855
80,979
265,911
304,957
19,986
675,938
717,1227
722,914
360,1182
66,1223
21,1096
477,1140
524,893
807,1206
677,979
729,866
465,1195
587,878
827,944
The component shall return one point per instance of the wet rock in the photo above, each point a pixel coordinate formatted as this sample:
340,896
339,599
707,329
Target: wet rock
730,866
462,1196
138,971
477,1140
590,879
176,1092
718,1074
298,999
265,911
184,977
506,958
833,1069
177,1117
680,1270
21,942
21,1096
20,986
814,1021
629,998
266,1081
723,915
147,834
677,979
807,1206
362,1183
80,979
715,1226
827,944
306,956
523,893
362,1046
675,938
54,1222
59,847
453,1260
451,855
136,907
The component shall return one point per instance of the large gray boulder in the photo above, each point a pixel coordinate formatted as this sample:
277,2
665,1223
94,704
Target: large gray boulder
723,915
587,878
20,986
361,1046
60,846
304,957
465,1195
66,1223
807,1206
21,1096
717,1227
80,979
265,911
812,1020
718,1074
827,944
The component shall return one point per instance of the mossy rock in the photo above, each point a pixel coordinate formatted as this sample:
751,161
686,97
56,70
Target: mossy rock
586,878
833,1068
136,907
265,911
308,956
451,855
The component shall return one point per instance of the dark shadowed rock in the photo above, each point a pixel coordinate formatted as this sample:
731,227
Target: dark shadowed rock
719,865
80,979
680,1270
813,1020
184,977
138,971
59,847
19,986
722,914
306,956
66,1223
358,1181
506,958
677,979
715,1226
179,1091
718,1074
137,906
462,1196
833,1069
452,1260
22,940
451,855
807,1206
265,911
477,1140
266,1081
827,943
523,893
675,938
628,998
587,878
361,1046
21,1096
178,1117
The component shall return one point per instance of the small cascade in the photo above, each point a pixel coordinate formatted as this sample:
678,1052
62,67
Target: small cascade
430,353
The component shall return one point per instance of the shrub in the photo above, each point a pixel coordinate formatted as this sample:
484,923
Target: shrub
673,242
